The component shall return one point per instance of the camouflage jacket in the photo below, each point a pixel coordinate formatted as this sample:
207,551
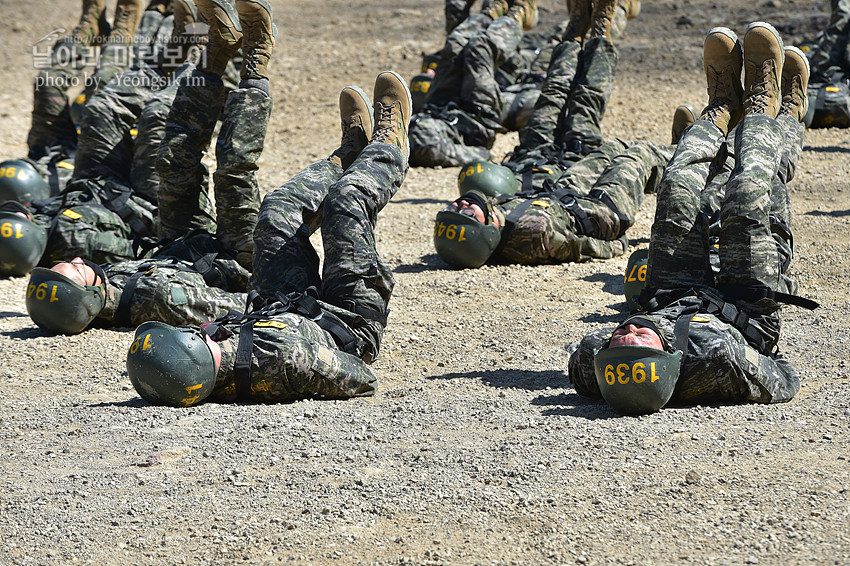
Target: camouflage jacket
168,290
719,364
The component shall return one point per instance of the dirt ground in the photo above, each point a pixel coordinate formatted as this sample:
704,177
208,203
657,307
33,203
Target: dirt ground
475,450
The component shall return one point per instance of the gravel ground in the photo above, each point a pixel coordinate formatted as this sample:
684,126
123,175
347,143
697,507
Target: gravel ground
475,450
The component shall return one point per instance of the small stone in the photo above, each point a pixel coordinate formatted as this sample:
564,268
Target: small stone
693,477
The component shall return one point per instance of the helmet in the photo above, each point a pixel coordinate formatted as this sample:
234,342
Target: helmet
517,111
76,110
22,242
171,365
59,304
636,380
635,278
488,178
419,87
462,241
21,181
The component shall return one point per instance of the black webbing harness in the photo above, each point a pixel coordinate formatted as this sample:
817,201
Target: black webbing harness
719,305
261,308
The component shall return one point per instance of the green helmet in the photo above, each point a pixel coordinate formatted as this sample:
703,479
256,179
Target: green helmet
171,365
635,278
516,114
462,241
21,181
488,178
22,243
60,305
419,87
636,380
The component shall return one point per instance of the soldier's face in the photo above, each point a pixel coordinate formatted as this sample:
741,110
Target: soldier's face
634,335
77,271
467,209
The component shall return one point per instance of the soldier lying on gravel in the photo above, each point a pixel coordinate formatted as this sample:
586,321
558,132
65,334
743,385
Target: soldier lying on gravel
577,194
190,281
489,74
700,337
304,335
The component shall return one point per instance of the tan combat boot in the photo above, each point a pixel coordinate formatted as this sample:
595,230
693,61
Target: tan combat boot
495,8
224,36
795,83
392,111
632,8
580,18
259,36
127,15
722,60
684,116
184,36
603,17
355,111
524,11
763,57
93,27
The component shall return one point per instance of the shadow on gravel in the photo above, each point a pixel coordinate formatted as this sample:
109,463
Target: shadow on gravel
611,284
420,201
430,262
9,314
613,318
826,149
136,403
530,380
25,333
833,213
574,405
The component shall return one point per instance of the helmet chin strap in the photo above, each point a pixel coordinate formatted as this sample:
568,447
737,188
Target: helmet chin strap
477,199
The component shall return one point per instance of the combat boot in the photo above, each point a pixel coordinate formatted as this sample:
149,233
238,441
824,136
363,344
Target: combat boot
603,17
127,15
495,8
580,18
631,7
523,11
355,111
763,58
795,83
684,116
392,111
93,26
224,36
722,60
259,37
184,37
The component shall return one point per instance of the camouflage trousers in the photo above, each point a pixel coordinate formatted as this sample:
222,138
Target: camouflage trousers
573,97
456,12
169,290
51,116
606,190
344,204
832,45
183,196
137,99
755,210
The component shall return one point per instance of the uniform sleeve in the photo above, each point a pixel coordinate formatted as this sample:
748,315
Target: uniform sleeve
580,368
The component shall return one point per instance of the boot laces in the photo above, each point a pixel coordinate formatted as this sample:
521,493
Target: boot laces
759,93
385,121
794,97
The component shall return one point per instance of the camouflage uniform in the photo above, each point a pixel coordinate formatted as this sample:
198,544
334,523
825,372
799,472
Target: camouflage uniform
831,46
183,197
293,356
724,361
166,289
599,199
51,117
456,12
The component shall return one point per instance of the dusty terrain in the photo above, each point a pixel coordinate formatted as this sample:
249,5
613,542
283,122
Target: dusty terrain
475,449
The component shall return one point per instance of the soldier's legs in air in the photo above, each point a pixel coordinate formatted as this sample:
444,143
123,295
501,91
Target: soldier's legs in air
678,250
449,72
354,277
748,254
284,258
456,11
541,125
581,176
119,52
480,94
104,146
51,117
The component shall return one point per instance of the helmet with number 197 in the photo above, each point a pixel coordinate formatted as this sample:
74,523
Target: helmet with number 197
170,365
635,278
20,181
